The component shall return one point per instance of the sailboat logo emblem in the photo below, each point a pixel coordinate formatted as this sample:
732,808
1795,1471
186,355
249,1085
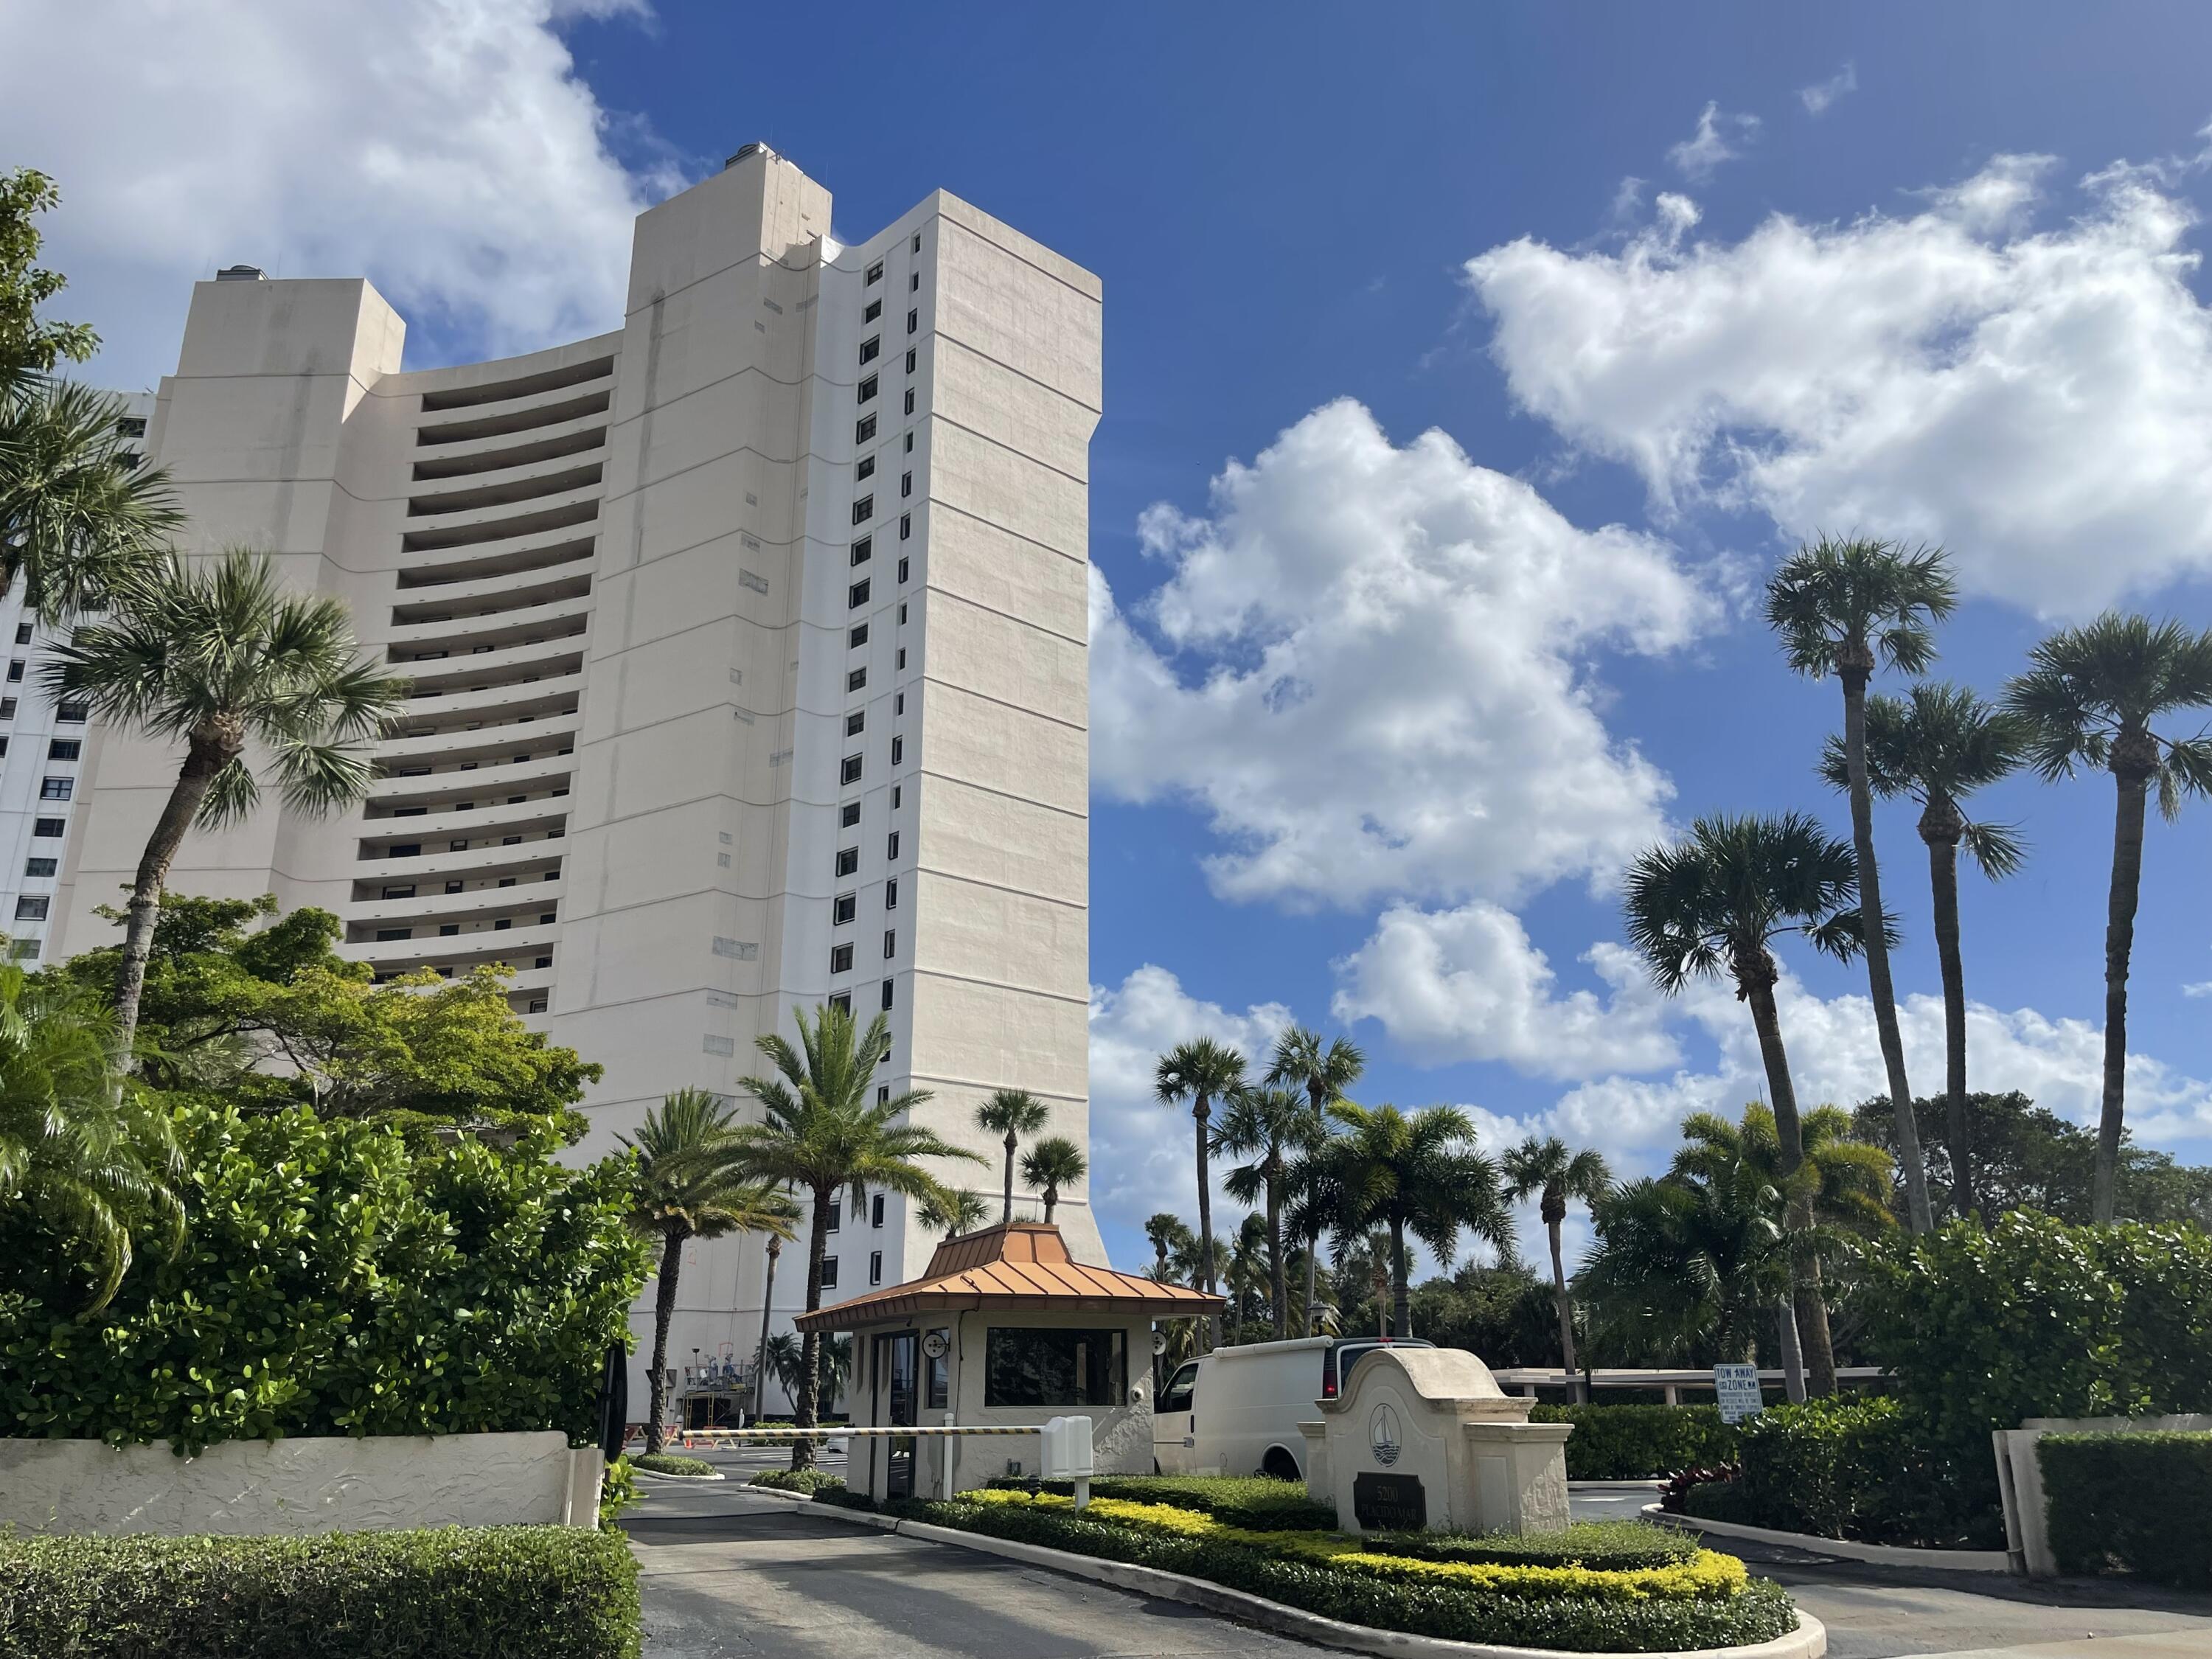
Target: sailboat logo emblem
1384,1438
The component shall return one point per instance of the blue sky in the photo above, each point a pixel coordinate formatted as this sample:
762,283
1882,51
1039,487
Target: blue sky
1926,272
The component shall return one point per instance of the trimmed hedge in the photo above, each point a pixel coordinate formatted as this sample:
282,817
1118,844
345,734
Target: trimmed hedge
2133,1503
1759,1612
1860,1467
1606,1545
671,1463
813,1482
488,1593
1639,1442
1243,1500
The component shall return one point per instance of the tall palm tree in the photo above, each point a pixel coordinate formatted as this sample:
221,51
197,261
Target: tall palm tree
1247,1278
215,653
1846,1180
1558,1173
83,1150
1416,1174
1324,1070
691,1183
1011,1113
761,1370
1201,1072
1846,607
1054,1163
1687,1265
823,1133
2090,697
1271,1125
958,1212
1169,1237
1937,746
1713,904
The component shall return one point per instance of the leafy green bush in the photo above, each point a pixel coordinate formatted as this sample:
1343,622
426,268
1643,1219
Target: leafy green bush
1639,1442
334,1282
811,1481
671,1463
2136,1502
1721,1500
618,1492
1244,1500
489,1592
1608,1546
1759,1612
1854,1468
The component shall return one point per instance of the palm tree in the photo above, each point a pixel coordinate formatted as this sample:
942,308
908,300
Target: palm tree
1549,1167
823,1133
2089,698
958,1212
761,1372
1416,1174
1248,1275
1053,1163
1324,1070
1938,746
1272,1124
215,653
691,1183
1169,1238
1713,904
1846,1180
83,1150
1687,1265
1845,608
1013,1114
1201,1072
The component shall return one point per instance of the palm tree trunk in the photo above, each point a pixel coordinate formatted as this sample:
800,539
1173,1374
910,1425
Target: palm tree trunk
1275,1265
2119,946
664,1314
1566,1310
1199,1114
1793,1352
205,755
1305,1314
1051,1198
1944,877
767,1311
1811,1307
803,1413
1007,1215
1918,1217
1401,1291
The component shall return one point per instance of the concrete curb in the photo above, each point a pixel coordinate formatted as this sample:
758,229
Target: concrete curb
1808,1641
675,1480
1880,1555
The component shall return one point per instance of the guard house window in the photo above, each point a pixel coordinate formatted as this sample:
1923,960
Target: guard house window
865,467
828,1273
35,868
876,1210
875,1267
875,310
857,636
849,772
849,815
864,429
856,595
875,274
863,551
31,907
856,679
840,958
909,400
891,895
864,509
867,391
910,366
842,908
1052,1368
49,826
856,722
56,789
913,321
848,858
872,348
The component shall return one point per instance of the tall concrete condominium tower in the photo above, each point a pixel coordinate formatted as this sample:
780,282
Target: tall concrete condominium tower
748,645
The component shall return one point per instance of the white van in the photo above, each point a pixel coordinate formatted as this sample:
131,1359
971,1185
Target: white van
1236,1410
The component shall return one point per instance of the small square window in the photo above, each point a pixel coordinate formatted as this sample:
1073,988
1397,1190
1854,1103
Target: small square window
876,1265
910,366
872,348
56,789
883,1094
510,841
875,310
909,400
866,390
856,595
856,679
843,908
841,1000
857,636
848,860
905,570
36,868
829,1262
891,894
14,670
537,1005
905,526
502,924
875,274
864,429
7,708
49,826
455,886
72,713
890,847
856,722
887,996
849,815
863,549
448,929
890,944
22,633
849,772
32,907
864,509
457,847
507,881
840,958
913,321
865,468
898,750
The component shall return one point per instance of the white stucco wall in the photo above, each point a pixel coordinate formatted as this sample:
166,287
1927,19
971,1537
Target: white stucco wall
251,1488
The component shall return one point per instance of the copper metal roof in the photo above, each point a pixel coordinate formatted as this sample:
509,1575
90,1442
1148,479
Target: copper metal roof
1016,1264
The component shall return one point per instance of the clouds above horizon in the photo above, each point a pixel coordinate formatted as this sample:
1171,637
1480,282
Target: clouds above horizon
2039,401
1373,668
1720,136
446,149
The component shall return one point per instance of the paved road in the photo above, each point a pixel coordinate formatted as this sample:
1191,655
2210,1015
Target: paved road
728,1574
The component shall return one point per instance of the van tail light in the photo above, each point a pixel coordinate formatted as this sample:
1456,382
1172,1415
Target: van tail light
1328,1381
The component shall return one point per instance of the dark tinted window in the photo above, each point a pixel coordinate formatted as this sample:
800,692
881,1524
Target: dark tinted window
1052,1368
1181,1390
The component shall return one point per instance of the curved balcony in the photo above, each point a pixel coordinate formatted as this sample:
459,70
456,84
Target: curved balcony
541,658
475,526
459,743
477,904
522,694
499,451
516,947
457,431
447,603
481,816
485,626
437,573
527,862
439,502
434,789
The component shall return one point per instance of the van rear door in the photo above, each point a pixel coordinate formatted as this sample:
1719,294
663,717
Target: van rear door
1175,1435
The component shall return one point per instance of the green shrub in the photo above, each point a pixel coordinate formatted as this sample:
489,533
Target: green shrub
812,1481
334,1282
1721,1500
1639,1442
618,1492
1608,1546
842,1497
671,1463
2136,1502
488,1593
1762,1612
1254,1501
1855,1466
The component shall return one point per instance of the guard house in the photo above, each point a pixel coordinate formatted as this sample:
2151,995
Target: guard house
1004,1330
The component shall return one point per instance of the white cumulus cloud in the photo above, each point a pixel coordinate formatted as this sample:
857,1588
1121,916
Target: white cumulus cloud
2039,400
1719,137
445,149
1821,95
1375,673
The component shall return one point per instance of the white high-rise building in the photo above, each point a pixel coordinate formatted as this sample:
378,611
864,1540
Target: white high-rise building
749,649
